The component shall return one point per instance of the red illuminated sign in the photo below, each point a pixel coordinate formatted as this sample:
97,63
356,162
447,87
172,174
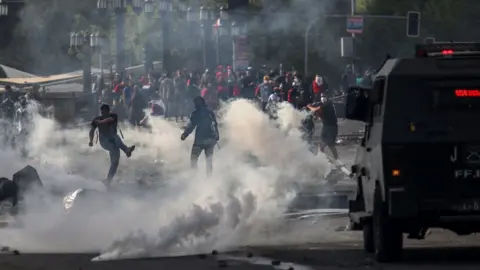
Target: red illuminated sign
467,92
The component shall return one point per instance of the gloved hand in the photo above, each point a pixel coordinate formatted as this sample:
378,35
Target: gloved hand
90,144
183,137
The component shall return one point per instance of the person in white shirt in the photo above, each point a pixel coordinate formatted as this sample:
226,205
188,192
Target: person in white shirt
274,97
273,100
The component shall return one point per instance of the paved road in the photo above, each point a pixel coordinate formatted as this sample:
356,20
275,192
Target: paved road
326,249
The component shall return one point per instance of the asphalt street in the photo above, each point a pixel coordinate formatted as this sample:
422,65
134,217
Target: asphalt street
329,248
324,244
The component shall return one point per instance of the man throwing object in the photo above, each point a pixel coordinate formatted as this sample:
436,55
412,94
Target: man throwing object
107,124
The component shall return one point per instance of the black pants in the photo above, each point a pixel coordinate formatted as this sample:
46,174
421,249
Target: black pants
328,139
197,150
264,106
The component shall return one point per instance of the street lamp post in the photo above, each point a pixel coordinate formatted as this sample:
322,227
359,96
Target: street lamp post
148,9
221,31
97,43
307,32
119,7
237,30
165,9
207,16
3,8
81,42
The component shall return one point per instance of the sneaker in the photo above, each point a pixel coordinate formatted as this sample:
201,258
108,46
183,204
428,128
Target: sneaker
107,182
338,163
130,150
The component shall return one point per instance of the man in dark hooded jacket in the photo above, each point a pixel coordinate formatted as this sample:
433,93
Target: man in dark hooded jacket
137,104
204,121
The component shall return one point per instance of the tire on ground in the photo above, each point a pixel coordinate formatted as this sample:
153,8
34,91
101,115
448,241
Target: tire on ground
388,237
368,237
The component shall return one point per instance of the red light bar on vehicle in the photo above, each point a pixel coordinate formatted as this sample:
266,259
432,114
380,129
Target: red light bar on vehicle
467,93
444,49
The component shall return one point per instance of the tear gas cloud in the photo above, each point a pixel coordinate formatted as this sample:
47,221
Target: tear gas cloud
257,171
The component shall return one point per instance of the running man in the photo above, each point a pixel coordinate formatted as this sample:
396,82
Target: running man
109,140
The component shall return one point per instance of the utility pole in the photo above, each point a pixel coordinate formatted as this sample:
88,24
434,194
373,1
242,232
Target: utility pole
353,7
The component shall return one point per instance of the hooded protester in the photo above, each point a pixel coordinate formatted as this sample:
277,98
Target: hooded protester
137,104
264,91
247,85
107,124
204,122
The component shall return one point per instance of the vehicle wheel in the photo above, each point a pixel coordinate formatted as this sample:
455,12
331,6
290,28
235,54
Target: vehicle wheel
368,236
354,226
388,238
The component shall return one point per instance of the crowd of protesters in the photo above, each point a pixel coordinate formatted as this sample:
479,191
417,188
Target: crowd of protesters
171,95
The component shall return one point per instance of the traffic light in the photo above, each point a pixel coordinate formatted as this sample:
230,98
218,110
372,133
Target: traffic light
413,24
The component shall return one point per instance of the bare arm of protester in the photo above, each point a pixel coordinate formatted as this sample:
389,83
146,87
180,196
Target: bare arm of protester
109,120
192,124
91,133
313,109
215,125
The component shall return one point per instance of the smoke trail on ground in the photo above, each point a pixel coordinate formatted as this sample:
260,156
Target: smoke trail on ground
257,172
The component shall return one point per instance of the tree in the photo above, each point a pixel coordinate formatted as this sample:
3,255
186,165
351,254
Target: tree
443,19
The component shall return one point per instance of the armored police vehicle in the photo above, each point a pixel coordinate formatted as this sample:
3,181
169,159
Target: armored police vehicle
418,165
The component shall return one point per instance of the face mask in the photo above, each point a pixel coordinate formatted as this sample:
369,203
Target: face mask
323,99
265,82
318,81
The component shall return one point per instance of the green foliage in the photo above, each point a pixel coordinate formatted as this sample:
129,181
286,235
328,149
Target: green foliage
40,43
443,19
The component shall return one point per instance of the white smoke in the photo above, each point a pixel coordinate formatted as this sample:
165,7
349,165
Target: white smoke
257,172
